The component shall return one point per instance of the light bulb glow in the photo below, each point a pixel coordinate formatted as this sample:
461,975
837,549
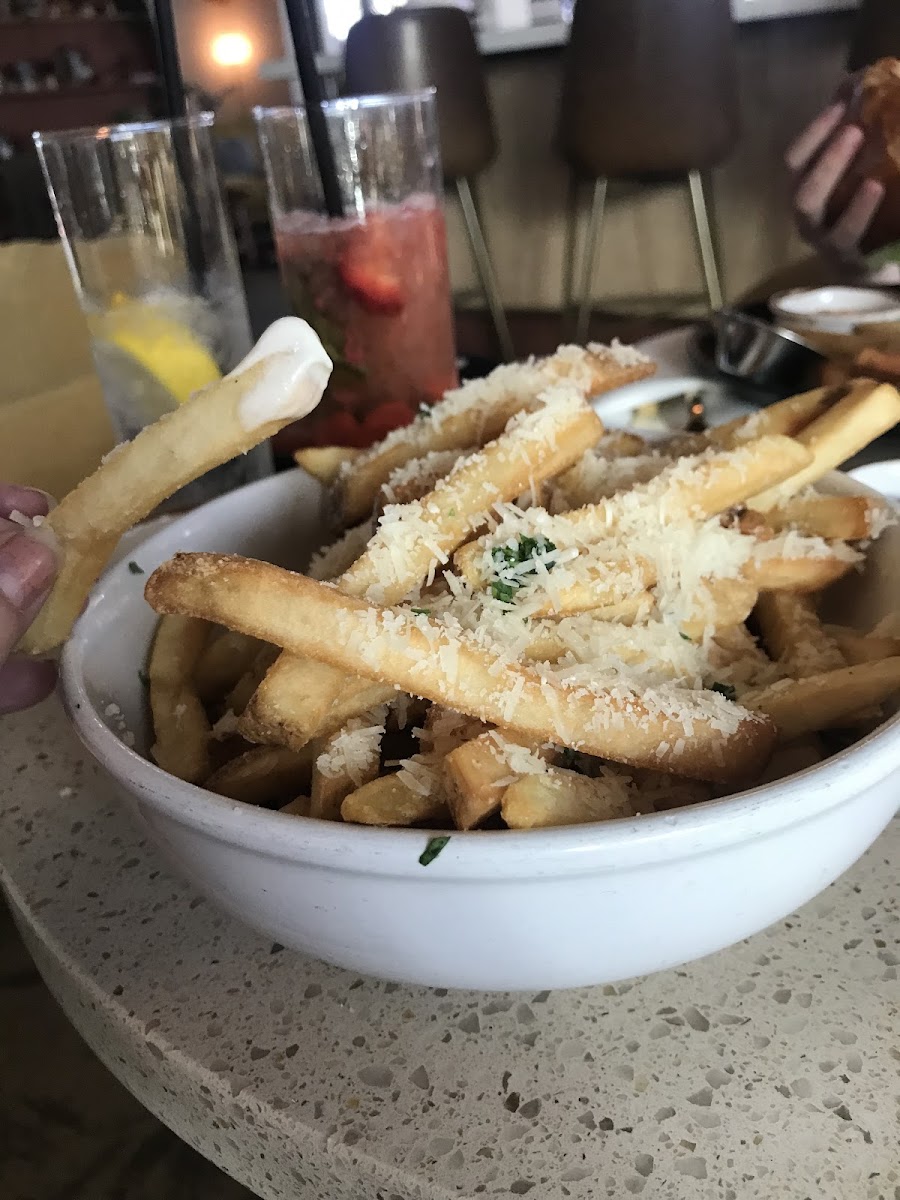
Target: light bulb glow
231,49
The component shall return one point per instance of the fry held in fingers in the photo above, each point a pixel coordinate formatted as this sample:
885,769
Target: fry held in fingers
282,379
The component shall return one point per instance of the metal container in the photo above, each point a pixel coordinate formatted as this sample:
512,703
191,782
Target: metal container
765,356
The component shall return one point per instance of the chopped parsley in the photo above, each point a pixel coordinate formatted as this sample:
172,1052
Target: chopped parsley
504,591
135,569
685,637
432,849
523,551
422,612
725,689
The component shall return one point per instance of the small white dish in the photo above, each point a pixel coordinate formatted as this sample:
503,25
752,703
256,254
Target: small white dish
882,477
496,910
835,309
621,409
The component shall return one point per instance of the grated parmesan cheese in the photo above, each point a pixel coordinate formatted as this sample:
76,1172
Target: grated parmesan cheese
355,750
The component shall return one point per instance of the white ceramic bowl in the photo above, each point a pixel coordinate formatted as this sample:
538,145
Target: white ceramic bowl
496,910
835,309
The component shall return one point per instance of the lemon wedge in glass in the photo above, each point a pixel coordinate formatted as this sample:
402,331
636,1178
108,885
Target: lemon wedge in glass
149,360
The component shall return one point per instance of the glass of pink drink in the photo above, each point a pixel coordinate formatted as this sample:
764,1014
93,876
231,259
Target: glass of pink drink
374,282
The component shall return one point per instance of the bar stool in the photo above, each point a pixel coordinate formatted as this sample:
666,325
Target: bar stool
435,47
876,33
649,94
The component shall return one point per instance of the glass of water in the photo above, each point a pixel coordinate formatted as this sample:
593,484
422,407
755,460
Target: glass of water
151,253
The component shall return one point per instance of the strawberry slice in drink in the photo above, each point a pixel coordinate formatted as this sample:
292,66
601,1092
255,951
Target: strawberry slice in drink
373,286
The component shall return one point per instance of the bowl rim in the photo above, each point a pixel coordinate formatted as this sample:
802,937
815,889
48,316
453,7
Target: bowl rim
862,316
757,812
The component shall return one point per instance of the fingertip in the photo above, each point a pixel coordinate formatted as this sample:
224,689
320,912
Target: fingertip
25,682
29,501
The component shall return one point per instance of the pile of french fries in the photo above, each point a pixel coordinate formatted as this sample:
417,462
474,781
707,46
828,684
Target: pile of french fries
524,621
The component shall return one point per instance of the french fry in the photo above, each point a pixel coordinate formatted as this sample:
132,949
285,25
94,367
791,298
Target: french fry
298,807
865,413
621,443
240,695
388,800
718,481
857,648
180,726
213,427
477,773
446,730
719,604
421,657
403,551
613,586
265,776
836,518
794,635
793,757
325,462
424,534
780,573
224,660
416,478
337,772
596,477
479,411
803,706
653,792
787,417
562,797
333,560
301,699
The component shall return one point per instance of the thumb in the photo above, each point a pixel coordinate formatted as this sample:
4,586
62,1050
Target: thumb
27,571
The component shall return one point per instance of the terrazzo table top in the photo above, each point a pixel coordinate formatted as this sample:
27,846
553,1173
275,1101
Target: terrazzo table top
768,1070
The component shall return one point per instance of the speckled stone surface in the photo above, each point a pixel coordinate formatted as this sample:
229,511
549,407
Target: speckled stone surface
769,1070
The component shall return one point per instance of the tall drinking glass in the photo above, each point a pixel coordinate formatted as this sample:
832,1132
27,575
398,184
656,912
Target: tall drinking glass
374,281
152,258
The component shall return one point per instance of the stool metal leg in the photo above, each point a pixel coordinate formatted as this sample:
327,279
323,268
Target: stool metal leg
569,249
705,237
595,229
484,267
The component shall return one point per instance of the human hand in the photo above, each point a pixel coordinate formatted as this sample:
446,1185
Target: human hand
27,571
819,160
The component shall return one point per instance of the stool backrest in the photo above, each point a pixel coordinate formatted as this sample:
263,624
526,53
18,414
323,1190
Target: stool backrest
649,87
876,33
428,47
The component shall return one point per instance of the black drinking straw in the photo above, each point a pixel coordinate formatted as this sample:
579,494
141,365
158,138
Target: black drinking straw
176,109
173,84
303,37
